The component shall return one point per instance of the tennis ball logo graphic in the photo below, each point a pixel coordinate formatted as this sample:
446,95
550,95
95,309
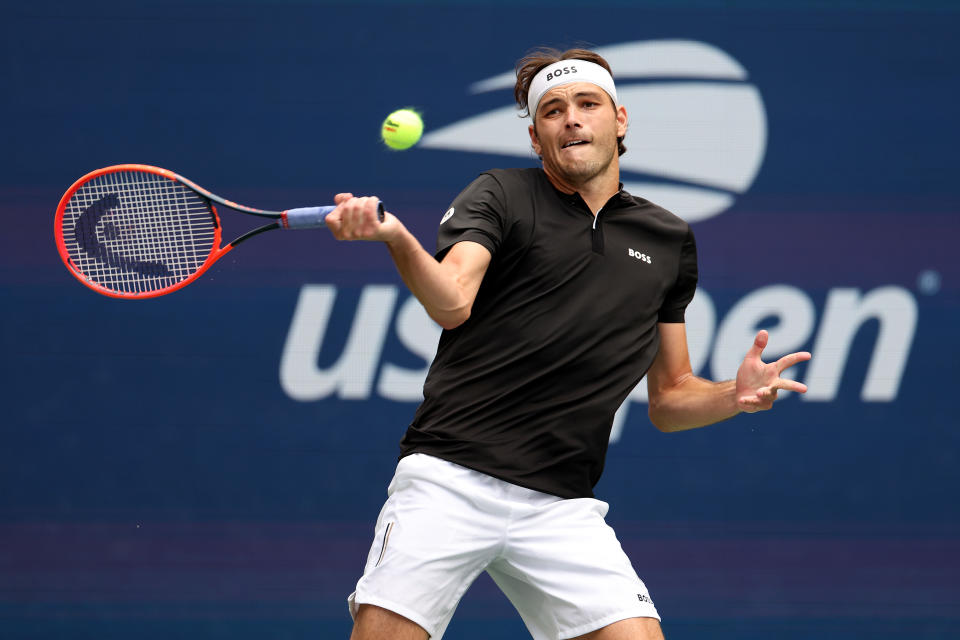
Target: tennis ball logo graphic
697,131
402,129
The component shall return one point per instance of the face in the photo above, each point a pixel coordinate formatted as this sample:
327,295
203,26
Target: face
576,130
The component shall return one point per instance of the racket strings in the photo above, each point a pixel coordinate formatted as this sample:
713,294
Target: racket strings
137,232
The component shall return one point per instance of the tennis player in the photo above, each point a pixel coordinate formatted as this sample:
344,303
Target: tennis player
557,291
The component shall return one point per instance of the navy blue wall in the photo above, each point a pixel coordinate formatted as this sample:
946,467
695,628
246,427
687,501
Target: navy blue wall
197,465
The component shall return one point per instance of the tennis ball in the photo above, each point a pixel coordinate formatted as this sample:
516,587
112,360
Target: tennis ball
402,129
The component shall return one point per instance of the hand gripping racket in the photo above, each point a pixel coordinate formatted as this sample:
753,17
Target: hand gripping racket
136,231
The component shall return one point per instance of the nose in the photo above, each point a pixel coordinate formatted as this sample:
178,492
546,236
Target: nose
572,119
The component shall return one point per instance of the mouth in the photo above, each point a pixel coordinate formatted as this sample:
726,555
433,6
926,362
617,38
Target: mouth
573,143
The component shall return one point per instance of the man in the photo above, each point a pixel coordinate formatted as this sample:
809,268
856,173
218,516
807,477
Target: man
557,291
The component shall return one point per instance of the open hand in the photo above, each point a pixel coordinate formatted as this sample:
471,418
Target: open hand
758,382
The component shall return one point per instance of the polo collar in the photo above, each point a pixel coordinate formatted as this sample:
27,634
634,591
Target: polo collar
618,199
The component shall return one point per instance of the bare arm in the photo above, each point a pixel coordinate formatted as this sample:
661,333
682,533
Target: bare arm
446,289
680,400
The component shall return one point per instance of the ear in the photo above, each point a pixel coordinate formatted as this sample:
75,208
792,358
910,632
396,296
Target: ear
534,141
621,121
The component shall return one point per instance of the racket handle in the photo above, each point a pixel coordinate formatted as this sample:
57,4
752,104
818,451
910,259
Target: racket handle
309,217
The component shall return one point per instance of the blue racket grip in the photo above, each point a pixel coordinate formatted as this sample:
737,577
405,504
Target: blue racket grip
310,217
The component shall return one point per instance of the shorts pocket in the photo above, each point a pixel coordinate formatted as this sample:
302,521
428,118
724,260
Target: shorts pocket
386,541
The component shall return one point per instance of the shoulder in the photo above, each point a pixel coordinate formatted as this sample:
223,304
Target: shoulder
513,179
656,216
506,189
484,190
504,181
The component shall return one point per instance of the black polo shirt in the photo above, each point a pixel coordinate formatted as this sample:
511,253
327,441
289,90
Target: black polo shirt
563,327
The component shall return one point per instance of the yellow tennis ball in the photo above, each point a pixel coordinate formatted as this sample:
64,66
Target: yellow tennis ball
402,129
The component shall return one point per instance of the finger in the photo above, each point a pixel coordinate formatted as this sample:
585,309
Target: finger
763,401
789,360
332,222
365,213
791,385
370,207
767,393
748,405
340,198
359,220
759,343
353,218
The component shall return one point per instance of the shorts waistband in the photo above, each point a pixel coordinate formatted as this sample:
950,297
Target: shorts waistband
431,468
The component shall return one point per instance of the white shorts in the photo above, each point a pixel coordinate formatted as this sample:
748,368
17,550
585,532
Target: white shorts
556,560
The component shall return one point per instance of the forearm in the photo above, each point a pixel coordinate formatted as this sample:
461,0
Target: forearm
692,402
435,285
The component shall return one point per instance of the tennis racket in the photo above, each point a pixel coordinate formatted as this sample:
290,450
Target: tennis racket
136,231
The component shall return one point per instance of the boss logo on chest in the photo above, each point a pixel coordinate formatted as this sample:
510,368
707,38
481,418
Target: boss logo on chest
639,256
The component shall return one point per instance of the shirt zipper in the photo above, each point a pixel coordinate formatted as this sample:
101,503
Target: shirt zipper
597,234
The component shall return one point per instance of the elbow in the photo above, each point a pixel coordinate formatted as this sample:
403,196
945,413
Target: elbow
451,319
658,421
659,418
667,404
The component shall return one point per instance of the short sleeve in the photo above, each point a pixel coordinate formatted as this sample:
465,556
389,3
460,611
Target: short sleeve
477,214
680,295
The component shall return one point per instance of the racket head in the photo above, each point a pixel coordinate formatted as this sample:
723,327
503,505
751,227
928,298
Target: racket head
136,231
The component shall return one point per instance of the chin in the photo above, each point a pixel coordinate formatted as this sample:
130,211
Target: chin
581,170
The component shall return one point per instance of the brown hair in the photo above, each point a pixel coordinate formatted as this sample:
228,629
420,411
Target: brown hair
531,64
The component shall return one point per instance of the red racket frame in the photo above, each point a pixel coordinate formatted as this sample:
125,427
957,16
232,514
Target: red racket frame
216,251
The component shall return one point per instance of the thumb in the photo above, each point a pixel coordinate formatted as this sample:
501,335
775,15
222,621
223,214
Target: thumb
340,198
759,344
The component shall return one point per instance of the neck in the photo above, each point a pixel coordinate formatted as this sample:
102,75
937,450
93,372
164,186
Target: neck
595,191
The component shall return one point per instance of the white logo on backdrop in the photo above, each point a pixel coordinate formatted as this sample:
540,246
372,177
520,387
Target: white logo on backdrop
716,344
697,132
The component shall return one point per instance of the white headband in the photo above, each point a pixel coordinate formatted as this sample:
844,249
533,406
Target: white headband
565,72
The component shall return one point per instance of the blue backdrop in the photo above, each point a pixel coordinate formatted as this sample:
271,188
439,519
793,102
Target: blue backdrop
211,463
